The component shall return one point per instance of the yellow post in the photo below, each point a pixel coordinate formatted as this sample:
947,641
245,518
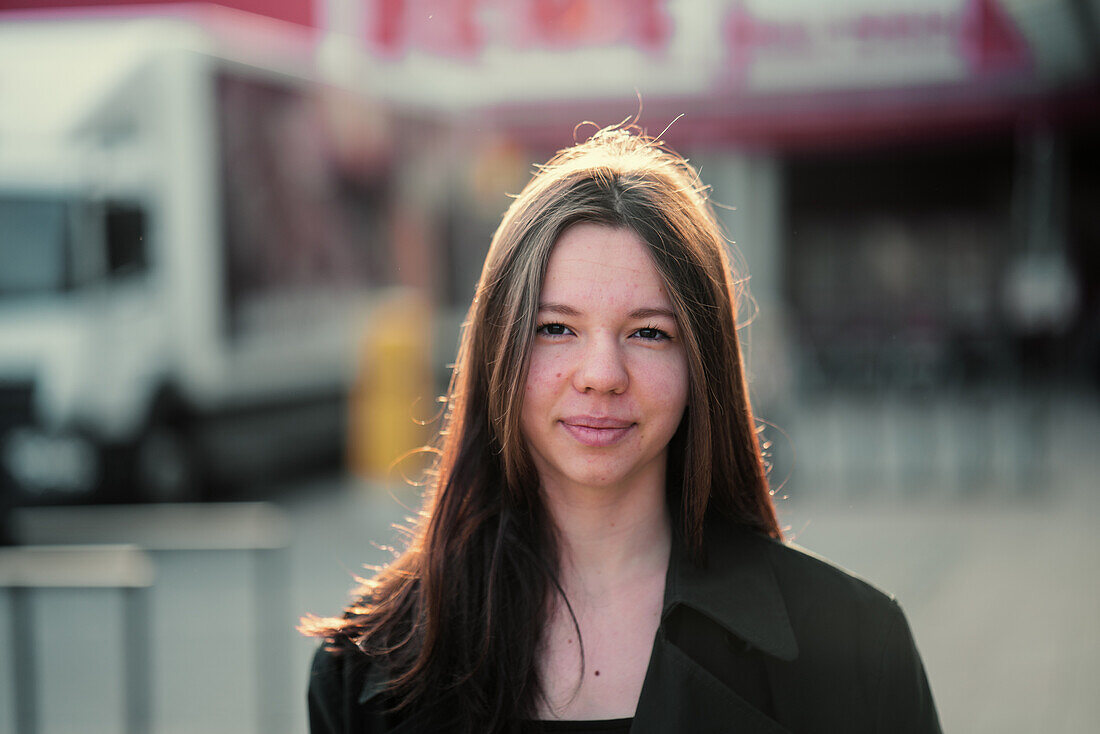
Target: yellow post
393,385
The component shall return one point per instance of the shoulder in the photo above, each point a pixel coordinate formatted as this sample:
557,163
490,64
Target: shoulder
781,598
850,635
350,693
807,578
808,584
829,608
337,659
792,601
340,679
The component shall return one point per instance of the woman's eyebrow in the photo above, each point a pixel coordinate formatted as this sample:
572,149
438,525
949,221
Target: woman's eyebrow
649,313
638,313
559,308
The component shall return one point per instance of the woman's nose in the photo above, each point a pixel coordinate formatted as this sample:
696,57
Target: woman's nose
601,367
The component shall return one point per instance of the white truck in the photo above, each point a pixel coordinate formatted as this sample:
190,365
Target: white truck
187,253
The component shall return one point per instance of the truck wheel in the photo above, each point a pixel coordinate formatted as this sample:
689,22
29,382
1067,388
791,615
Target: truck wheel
166,466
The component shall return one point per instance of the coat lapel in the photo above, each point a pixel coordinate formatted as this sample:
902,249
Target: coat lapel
737,589
680,696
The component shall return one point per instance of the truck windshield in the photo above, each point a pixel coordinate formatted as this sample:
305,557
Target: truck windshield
33,234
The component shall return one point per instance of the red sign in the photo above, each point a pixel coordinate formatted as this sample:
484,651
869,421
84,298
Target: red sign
463,28
448,28
565,24
990,41
302,12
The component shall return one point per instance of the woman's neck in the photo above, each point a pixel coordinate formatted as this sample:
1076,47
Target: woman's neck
609,539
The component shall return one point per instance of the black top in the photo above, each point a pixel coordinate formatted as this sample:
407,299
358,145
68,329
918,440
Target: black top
598,726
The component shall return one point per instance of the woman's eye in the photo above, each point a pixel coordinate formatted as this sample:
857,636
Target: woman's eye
553,329
652,333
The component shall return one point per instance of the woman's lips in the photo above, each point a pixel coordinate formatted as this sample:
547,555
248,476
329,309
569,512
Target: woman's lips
597,432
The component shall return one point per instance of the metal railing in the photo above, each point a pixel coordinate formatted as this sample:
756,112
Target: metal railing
255,528
124,568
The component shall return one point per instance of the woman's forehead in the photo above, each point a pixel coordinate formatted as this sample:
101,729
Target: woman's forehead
596,264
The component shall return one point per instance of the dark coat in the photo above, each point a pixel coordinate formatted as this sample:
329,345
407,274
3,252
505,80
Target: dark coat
767,638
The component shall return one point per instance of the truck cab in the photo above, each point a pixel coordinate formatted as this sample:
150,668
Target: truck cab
186,265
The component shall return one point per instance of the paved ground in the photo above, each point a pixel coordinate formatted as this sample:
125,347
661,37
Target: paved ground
1002,596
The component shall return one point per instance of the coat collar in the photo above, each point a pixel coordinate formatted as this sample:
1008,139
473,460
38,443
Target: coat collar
737,588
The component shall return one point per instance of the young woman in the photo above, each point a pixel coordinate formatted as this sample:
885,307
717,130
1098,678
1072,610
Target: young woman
598,550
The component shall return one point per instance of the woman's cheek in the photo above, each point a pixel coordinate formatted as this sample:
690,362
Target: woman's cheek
540,378
547,368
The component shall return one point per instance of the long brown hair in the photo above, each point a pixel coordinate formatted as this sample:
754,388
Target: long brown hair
456,619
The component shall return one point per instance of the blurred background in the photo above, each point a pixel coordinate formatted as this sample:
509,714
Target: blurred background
237,241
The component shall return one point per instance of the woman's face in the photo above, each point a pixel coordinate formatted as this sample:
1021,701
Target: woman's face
608,377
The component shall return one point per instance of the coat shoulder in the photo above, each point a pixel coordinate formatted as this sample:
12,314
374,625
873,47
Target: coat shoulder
832,609
803,573
339,680
853,636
